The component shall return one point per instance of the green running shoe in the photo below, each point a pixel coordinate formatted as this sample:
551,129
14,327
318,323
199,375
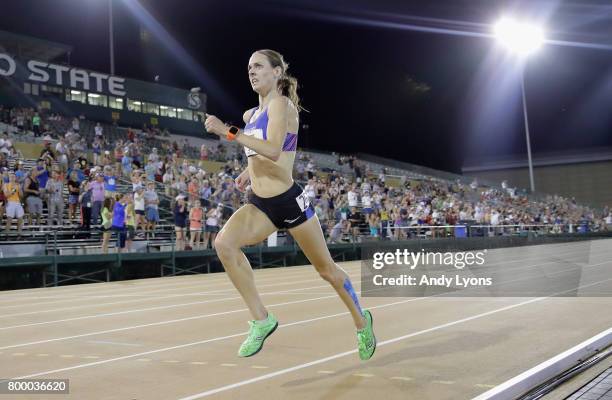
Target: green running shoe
258,332
366,340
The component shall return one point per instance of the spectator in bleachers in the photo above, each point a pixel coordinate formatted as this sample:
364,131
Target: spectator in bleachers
76,126
99,131
32,192
130,222
14,209
213,221
106,159
97,197
196,214
36,124
126,162
119,224
180,221
110,182
151,208
341,228
97,151
85,200
139,208
55,202
61,149
107,222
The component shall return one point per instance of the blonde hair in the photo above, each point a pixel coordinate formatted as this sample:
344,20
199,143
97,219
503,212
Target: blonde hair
287,85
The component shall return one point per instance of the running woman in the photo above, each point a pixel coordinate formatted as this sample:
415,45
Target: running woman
276,201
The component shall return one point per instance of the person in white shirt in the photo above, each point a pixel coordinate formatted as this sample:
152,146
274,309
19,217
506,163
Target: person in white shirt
366,202
353,197
98,130
309,189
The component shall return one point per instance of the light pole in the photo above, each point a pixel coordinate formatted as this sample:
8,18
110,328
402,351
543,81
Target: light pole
521,39
110,34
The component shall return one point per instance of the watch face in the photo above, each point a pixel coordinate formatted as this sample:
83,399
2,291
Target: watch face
233,130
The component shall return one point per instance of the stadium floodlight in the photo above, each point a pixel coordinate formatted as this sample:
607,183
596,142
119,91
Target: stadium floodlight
521,38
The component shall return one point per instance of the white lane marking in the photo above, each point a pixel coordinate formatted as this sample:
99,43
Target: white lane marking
228,365
325,372
362,375
401,378
199,362
259,367
114,343
444,382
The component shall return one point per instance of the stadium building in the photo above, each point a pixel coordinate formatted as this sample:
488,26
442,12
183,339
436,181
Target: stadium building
37,73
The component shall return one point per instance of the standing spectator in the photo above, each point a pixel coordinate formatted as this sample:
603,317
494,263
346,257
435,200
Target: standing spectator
32,196
180,221
110,182
126,163
107,222
151,207
98,130
310,169
14,209
75,125
97,197
61,149
195,223
130,222
205,193
55,204
73,195
36,124
139,207
85,198
119,221
203,152
97,151
193,188
213,220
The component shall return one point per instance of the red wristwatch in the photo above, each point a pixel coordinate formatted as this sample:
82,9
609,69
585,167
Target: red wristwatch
232,133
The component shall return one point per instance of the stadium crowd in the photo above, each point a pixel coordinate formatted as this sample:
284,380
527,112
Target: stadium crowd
116,181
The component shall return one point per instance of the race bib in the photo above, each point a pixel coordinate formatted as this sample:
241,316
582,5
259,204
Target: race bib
303,201
256,133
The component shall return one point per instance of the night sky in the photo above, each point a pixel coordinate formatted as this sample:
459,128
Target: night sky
371,83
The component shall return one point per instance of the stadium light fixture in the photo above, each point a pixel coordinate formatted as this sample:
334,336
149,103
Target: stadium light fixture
75,92
94,95
522,39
